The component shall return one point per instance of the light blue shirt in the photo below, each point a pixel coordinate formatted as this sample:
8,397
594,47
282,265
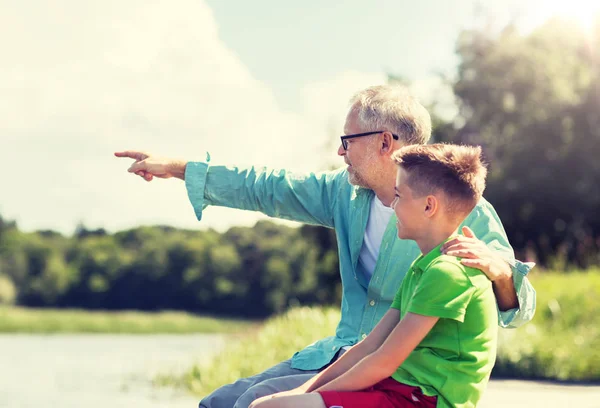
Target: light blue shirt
328,199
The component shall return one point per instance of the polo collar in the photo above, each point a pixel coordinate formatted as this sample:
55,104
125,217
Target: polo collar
423,261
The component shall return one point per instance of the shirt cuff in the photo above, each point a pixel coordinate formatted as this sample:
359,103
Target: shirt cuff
516,317
195,182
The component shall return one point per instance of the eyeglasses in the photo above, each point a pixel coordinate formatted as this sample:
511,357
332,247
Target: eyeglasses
345,138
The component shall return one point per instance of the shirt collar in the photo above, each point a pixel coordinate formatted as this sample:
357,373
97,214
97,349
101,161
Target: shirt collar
423,261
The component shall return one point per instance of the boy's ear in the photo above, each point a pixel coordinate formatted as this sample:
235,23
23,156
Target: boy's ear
432,205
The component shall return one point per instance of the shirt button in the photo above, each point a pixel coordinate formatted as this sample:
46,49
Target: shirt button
333,348
364,336
372,303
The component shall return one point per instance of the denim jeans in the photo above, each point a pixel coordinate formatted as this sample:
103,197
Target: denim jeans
240,394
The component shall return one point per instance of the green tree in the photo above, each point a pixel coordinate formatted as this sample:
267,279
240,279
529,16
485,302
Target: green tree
532,102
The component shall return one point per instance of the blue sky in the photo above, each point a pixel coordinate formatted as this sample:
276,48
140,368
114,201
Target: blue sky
288,44
253,82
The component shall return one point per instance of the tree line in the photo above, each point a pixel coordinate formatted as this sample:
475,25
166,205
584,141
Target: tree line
250,272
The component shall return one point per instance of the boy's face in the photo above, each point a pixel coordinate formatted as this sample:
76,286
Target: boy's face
408,209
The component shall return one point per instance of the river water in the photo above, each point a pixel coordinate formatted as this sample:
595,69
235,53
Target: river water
94,371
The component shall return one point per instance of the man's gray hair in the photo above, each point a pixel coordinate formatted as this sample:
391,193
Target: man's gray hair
395,109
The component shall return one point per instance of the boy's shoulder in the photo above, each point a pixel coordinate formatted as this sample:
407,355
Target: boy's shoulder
452,266
442,262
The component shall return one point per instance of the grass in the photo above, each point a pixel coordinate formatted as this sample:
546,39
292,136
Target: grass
26,320
277,340
563,340
561,343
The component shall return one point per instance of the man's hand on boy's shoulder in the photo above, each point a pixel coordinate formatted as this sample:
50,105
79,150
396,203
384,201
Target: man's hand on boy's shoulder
476,254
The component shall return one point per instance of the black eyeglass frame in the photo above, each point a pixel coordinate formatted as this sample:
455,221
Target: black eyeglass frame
346,137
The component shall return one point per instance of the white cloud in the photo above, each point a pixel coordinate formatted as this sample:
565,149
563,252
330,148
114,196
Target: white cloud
80,80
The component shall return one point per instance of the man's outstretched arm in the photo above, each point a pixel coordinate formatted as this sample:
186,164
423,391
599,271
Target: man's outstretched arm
308,198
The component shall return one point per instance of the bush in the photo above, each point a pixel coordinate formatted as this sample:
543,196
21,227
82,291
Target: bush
563,340
8,292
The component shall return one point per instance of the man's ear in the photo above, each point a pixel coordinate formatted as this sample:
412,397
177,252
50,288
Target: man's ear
432,205
387,142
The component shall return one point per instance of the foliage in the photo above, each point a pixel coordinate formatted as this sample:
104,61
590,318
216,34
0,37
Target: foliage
533,102
563,340
250,272
8,292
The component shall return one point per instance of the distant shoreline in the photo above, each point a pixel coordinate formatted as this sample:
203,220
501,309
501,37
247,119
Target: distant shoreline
15,319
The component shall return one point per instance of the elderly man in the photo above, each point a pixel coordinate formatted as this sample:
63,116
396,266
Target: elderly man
355,201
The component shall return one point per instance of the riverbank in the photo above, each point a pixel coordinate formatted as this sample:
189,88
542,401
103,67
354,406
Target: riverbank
27,320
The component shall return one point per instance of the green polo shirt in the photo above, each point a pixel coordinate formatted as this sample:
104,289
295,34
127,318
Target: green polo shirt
455,359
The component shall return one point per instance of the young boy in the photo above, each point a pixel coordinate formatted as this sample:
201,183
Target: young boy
436,346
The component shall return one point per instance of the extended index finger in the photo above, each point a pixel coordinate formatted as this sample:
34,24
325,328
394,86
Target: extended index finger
132,154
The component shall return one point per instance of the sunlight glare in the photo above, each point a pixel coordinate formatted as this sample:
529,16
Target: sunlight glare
586,13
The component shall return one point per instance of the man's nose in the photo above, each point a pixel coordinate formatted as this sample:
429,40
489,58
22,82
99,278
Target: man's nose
341,151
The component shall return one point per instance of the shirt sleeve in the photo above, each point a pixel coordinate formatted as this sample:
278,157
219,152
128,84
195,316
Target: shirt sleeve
514,318
309,198
486,225
444,291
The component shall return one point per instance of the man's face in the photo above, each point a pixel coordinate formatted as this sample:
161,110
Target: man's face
408,208
361,155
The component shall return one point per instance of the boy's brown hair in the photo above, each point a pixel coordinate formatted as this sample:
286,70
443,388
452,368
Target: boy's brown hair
455,170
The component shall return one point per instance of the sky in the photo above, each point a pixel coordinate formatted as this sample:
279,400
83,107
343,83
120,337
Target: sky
260,82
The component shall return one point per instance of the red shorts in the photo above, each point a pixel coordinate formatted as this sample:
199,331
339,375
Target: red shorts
387,393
